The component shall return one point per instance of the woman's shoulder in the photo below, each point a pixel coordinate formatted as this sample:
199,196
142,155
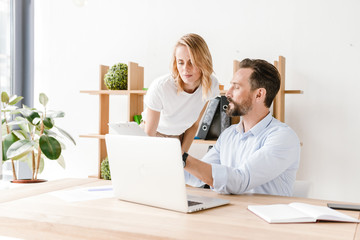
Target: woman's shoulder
214,79
214,87
163,81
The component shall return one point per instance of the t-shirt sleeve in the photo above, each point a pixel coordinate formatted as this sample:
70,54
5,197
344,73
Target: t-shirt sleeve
153,97
214,88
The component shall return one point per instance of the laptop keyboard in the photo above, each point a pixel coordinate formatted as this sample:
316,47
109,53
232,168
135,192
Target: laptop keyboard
192,203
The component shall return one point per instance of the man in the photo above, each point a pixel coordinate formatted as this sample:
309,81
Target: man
258,155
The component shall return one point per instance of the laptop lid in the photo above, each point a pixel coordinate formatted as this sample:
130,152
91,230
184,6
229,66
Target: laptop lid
149,170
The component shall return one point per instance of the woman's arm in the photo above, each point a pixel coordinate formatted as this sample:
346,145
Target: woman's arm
190,132
152,122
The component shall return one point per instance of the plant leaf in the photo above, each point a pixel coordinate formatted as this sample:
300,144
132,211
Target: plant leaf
48,122
63,132
15,99
36,121
25,125
3,129
17,122
57,136
55,114
19,149
50,147
50,133
4,97
43,99
41,165
26,158
26,107
21,134
61,161
11,109
9,139
30,115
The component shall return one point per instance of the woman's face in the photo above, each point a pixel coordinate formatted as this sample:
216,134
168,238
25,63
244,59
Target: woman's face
189,73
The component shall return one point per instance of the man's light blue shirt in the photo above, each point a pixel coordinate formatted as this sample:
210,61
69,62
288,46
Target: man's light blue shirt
263,160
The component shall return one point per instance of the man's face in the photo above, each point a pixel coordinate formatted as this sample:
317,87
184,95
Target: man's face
239,95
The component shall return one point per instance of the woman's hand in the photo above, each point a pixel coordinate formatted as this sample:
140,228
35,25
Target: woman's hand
191,132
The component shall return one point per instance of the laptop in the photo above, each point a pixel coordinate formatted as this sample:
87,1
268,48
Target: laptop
127,128
149,171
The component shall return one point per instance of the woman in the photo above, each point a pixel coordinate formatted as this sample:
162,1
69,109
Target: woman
175,103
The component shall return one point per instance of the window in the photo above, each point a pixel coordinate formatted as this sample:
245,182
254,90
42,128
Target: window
5,80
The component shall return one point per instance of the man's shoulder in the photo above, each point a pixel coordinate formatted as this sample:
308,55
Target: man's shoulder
282,130
277,125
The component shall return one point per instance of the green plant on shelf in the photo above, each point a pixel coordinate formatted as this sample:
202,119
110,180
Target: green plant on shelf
105,169
116,77
30,135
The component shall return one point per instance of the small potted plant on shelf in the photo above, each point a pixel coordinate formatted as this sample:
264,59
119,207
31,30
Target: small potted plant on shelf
116,77
30,135
105,169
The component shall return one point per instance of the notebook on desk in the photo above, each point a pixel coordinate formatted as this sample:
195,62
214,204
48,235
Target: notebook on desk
127,128
149,170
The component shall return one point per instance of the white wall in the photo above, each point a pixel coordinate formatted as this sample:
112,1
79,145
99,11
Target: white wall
320,40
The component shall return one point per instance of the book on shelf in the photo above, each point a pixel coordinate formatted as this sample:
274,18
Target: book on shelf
208,118
298,213
215,127
225,119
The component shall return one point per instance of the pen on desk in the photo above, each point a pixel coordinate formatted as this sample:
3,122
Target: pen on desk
100,189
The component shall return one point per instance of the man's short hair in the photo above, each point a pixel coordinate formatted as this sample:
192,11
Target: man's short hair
265,75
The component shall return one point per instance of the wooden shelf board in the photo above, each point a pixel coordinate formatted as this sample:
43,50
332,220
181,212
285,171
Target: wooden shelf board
93,176
95,135
114,92
99,136
223,92
202,141
294,92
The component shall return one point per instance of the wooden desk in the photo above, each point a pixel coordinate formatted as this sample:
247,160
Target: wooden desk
43,216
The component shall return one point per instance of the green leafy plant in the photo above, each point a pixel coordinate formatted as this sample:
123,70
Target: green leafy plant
30,135
116,77
105,169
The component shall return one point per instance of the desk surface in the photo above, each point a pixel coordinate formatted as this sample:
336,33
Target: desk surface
27,213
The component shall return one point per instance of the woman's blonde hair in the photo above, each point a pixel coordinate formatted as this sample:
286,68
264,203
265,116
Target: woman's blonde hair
200,57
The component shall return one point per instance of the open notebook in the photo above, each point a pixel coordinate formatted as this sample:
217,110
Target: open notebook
298,212
127,128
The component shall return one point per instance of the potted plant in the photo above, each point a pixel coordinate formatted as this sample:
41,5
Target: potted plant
116,77
105,169
30,135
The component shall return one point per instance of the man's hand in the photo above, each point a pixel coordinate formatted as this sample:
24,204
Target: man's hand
199,169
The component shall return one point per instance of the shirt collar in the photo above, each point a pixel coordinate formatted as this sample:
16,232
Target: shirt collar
255,130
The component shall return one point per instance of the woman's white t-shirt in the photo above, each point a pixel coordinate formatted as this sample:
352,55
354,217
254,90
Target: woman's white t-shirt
178,111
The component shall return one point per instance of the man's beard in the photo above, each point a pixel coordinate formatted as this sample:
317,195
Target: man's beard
239,109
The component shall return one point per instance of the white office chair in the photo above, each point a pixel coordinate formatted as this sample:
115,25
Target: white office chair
301,188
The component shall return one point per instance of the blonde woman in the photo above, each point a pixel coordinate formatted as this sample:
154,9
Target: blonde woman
176,102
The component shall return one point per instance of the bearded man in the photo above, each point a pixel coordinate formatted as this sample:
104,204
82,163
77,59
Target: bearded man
258,155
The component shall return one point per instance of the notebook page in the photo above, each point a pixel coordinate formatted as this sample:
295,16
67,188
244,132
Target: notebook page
322,212
280,213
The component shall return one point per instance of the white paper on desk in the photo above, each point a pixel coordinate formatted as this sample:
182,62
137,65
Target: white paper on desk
84,194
